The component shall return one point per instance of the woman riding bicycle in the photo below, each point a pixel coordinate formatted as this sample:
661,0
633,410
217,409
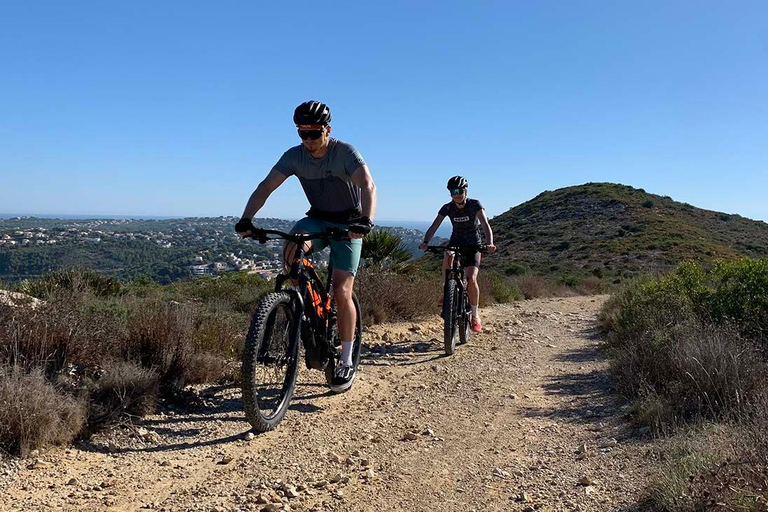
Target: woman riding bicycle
465,214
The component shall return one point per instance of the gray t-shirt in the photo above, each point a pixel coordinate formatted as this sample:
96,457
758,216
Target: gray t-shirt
464,221
326,181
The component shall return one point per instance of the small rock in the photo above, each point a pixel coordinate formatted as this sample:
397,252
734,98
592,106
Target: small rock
335,457
226,460
587,481
369,474
249,436
609,443
72,481
410,436
500,473
39,464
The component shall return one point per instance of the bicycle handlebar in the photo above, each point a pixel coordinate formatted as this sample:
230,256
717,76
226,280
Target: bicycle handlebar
443,248
262,235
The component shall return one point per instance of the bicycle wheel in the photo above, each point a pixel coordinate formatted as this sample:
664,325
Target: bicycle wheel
270,361
451,306
336,342
464,319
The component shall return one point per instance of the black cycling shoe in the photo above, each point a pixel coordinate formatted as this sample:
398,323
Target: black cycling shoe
343,377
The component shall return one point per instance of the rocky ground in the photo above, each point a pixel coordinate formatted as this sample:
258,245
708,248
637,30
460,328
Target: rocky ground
521,418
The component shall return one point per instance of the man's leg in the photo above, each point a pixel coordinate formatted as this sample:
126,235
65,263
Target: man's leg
305,225
289,249
346,316
345,257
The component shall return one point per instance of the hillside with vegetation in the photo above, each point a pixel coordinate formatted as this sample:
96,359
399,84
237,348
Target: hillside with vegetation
616,231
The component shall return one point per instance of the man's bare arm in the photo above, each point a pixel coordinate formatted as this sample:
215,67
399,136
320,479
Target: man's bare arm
362,178
268,185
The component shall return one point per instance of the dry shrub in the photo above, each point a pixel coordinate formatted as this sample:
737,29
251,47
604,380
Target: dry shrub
693,372
389,296
124,388
160,337
534,287
220,332
591,285
33,414
40,338
710,468
207,367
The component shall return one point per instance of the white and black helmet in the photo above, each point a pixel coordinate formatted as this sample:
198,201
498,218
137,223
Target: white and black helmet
312,113
457,182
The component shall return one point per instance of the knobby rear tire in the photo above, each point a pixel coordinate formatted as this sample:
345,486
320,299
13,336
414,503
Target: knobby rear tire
450,316
270,360
336,342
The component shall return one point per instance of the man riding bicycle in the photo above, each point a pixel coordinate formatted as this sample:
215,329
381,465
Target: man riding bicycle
341,194
465,214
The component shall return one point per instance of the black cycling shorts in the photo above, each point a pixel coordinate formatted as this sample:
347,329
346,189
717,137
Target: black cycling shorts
470,257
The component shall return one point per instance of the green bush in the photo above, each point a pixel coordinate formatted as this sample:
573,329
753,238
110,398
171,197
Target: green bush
496,288
513,269
740,296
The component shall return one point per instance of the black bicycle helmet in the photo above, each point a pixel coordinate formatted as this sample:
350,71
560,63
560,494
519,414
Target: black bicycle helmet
457,182
312,112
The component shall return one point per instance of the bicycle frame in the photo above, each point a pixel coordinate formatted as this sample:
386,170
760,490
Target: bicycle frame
317,313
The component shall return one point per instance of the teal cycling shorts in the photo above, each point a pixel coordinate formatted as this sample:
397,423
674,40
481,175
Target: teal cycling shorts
345,254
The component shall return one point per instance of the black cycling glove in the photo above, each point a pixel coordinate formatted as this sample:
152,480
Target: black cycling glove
244,225
362,225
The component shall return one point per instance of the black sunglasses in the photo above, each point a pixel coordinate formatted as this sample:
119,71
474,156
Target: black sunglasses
456,191
310,134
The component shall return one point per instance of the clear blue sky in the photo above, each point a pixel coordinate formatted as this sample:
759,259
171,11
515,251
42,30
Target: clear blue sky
181,108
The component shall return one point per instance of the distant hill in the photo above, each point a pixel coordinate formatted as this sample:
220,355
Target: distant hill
613,230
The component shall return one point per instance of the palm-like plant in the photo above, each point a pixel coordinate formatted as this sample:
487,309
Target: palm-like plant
382,248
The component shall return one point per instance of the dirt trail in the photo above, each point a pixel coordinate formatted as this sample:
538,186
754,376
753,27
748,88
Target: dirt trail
521,418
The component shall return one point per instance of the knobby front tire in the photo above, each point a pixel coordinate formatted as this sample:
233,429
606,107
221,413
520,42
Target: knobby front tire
270,360
451,306
464,319
336,342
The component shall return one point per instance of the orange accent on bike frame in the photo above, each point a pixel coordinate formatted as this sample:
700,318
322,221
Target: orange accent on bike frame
317,301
